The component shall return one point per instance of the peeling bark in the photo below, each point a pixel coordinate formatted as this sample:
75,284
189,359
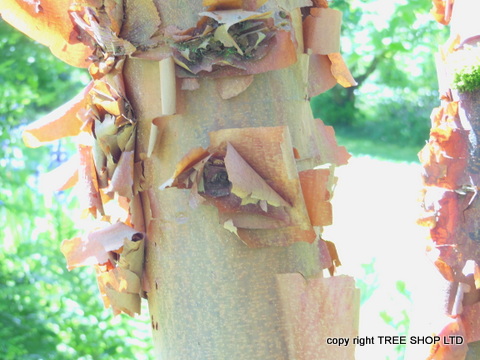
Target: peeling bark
452,176
216,93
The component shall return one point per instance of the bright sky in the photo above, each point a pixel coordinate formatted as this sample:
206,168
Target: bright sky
381,11
375,208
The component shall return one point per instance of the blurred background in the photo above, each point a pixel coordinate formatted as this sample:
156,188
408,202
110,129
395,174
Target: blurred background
47,312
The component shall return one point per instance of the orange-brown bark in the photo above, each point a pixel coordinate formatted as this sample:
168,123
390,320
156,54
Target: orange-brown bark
452,210
218,97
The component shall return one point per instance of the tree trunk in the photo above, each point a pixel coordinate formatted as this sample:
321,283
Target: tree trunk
241,275
211,296
451,159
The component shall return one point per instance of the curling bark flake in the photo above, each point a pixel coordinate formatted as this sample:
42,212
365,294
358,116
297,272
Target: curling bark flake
201,137
452,176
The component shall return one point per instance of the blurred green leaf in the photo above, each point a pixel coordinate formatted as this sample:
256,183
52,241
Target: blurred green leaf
392,59
46,312
402,288
386,317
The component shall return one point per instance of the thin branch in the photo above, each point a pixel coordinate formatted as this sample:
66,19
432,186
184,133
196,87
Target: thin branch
371,68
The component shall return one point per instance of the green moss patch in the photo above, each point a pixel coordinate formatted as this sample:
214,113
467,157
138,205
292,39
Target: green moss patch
466,69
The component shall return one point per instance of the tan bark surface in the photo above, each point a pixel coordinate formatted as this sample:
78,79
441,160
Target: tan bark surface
209,287
211,296
216,249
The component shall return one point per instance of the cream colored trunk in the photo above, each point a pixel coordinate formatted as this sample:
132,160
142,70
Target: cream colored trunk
211,296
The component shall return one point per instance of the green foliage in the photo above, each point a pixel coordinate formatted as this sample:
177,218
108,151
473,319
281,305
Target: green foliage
389,46
466,65
46,312
367,283
333,107
399,321
32,81
366,145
